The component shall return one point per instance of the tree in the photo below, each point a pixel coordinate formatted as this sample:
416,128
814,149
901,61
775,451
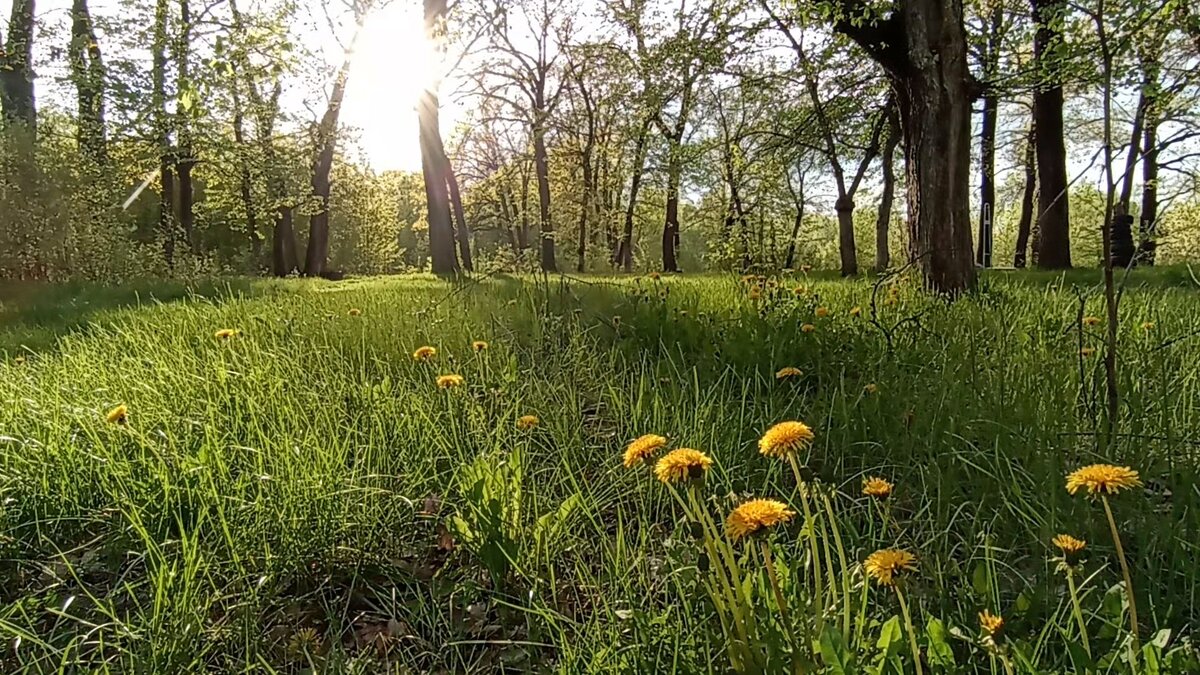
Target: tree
1053,240
16,68
434,164
88,75
927,67
883,256
1028,194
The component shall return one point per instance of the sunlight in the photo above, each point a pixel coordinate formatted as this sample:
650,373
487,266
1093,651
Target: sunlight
393,64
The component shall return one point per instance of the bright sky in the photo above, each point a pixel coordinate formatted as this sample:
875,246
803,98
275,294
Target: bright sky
390,67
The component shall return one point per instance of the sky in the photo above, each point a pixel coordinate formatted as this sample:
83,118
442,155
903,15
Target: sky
391,64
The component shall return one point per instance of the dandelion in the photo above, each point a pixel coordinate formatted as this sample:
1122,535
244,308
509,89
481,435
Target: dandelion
786,439
800,290
855,310
871,388
642,448
479,345
771,284
19,361
227,333
747,278
755,515
886,566
118,415
304,642
526,422
1071,548
877,487
822,312
655,276
991,624
1091,321
755,292
354,311
682,465
449,381
807,328
787,372
425,353
1147,325
1103,479
1087,351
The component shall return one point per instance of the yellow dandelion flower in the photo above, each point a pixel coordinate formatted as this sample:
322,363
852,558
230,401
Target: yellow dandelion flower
786,438
642,448
19,361
800,290
227,333
118,415
747,278
1103,479
991,624
755,515
871,388
755,292
855,310
304,642
1091,321
354,311
771,284
1071,548
682,465
449,381
787,372
1147,325
822,312
887,565
526,422
876,487
479,345
807,328
1087,351
655,276
425,353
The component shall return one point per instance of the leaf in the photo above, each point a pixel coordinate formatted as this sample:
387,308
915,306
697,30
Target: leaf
834,652
890,637
939,651
979,580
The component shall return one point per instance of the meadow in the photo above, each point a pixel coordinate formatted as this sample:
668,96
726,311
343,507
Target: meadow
301,492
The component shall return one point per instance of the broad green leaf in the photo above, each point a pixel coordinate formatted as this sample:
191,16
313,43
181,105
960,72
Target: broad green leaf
939,651
837,656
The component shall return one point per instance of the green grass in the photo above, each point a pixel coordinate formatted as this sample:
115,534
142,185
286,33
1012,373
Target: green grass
303,496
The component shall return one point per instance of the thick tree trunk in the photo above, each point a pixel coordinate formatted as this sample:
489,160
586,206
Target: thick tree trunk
883,222
624,256
283,244
1027,199
1148,224
1125,200
87,71
1053,222
541,171
437,195
16,69
844,206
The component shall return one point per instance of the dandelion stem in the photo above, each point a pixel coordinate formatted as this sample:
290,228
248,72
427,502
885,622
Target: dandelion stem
1133,617
811,524
841,551
770,565
908,626
1083,633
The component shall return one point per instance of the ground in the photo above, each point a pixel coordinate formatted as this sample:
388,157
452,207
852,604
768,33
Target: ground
302,494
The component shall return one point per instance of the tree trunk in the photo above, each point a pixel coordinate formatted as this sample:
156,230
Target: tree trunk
1148,224
624,255
546,226
844,206
585,205
883,222
162,130
283,244
185,157
245,179
1125,200
523,232
437,196
670,234
1027,198
927,64
16,69
987,181
507,219
461,229
799,200
1053,222
87,71
317,254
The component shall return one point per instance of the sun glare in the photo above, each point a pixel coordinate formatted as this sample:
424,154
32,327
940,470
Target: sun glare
393,64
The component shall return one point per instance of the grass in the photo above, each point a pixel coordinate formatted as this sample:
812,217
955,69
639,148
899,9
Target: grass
302,496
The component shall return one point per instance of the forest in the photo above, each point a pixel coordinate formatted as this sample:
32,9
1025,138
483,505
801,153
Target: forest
165,139
856,337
